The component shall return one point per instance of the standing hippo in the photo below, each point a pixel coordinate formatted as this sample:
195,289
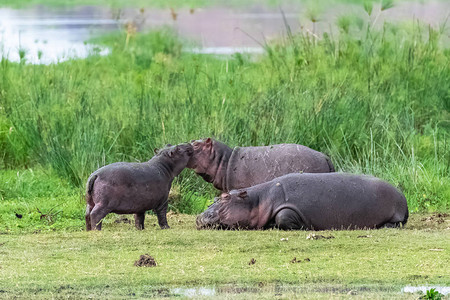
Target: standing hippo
134,188
310,201
243,167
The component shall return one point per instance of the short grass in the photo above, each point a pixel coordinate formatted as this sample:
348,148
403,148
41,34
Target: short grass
101,264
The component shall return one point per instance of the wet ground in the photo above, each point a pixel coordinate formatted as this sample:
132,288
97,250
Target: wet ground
298,291
44,35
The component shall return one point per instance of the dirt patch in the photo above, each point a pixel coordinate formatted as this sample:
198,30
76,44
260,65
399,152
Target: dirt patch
122,219
364,236
439,220
145,261
313,236
295,260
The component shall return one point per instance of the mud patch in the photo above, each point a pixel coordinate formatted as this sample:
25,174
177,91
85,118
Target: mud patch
145,261
438,218
123,220
295,260
428,221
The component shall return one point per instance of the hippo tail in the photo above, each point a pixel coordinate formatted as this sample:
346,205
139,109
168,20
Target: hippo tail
330,164
89,189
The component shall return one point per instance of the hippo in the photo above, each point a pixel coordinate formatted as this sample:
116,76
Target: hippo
134,188
310,202
242,167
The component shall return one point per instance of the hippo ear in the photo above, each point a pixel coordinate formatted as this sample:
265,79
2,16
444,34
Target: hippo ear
195,144
225,196
169,145
208,143
156,150
242,194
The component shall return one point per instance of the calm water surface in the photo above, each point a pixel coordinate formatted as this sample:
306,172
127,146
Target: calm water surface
48,35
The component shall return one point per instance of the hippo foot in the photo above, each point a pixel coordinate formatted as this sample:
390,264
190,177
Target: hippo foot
165,227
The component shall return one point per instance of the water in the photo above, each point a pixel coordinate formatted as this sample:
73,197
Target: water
280,290
42,36
445,290
48,35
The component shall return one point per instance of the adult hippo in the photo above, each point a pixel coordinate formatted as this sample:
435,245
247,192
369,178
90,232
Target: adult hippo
134,188
311,202
242,167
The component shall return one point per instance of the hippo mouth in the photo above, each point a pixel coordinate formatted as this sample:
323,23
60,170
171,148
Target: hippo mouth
208,222
209,219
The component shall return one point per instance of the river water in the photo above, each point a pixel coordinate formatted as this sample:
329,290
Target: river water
40,34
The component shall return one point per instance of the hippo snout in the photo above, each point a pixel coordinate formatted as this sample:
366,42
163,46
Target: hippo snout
200,223
209,218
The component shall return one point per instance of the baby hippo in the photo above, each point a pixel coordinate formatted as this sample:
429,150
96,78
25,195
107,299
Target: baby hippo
134,188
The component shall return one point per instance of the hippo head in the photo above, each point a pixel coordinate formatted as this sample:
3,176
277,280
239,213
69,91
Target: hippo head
178,156
236,210
210,217
201,158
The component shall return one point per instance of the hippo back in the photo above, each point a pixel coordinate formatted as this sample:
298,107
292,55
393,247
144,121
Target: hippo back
249,166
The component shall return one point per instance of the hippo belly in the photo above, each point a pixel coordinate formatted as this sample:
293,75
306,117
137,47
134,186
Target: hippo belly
341,201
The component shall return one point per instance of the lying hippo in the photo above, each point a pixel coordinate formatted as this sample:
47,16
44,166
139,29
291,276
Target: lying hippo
310,201
242,167
127,188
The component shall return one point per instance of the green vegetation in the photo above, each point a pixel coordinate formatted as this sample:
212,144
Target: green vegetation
375,102
101,264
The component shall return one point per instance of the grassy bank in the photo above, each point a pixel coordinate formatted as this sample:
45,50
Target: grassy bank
101,264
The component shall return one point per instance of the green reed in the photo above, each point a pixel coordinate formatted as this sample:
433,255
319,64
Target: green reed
376,101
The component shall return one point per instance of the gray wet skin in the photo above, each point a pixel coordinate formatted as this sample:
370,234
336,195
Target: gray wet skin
310,202
134,188
243,167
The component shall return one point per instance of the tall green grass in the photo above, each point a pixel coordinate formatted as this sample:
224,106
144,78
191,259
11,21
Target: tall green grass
376,102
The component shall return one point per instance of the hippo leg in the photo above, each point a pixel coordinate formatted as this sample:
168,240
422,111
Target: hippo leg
287,219
139,220
162,219
97,214
87,216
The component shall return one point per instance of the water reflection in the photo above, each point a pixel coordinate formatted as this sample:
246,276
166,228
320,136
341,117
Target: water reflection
37,36
444,290
284,290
